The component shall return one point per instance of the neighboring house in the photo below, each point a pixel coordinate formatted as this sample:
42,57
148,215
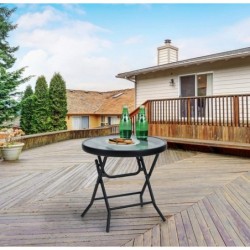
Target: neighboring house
223,73
91,109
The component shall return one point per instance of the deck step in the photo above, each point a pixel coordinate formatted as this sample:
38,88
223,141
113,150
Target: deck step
208,143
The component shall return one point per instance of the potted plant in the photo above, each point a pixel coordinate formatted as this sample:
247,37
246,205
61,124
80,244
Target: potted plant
10,147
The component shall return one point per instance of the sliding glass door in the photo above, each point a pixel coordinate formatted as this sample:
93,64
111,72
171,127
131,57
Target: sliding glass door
187,89
191,86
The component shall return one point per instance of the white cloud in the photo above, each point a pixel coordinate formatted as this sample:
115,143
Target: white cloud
38,19
230,37
133,40
52,41
193,47
240,31
76,8
76,49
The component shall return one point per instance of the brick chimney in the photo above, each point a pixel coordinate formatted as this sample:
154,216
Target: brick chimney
167,53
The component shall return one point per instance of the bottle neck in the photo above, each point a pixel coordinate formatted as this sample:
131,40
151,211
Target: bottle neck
125,115
142,112
125,111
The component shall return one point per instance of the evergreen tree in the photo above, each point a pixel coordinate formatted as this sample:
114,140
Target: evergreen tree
28,92
58,102
27,107
9,80
40,121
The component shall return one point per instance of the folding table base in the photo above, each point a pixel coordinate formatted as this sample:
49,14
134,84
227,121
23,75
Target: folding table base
100,164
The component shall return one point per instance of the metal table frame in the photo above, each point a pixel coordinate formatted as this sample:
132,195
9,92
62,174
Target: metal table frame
100,167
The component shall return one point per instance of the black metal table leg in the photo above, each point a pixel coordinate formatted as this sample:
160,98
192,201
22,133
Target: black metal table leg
100,170
150,172
147,183
95,190
149,175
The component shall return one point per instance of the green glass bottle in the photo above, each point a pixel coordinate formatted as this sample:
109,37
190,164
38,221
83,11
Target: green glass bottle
142,125
125,124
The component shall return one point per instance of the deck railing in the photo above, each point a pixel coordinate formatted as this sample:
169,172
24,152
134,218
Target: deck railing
227,110
193,113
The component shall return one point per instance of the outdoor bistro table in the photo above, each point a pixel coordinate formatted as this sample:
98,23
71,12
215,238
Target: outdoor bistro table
101,147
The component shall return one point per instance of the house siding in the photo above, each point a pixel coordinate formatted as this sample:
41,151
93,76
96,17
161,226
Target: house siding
167,56
232,81
229,77
163,56
94,121
158,88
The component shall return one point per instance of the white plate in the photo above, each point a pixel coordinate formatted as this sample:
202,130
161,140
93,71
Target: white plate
126,145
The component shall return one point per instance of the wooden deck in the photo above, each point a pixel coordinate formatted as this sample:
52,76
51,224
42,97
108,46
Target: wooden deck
205,198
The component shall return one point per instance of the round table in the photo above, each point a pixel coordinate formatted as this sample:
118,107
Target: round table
101,147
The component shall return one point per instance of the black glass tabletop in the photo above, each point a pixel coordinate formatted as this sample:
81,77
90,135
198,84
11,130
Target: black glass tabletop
102,146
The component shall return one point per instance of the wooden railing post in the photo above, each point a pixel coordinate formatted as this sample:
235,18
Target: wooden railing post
148,116
188,110
236,110
148,108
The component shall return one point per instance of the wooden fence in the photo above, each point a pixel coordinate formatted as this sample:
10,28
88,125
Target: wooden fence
222,118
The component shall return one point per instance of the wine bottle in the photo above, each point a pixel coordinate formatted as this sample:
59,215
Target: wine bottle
125,124
142,125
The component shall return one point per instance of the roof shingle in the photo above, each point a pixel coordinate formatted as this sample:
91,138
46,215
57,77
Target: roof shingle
93,102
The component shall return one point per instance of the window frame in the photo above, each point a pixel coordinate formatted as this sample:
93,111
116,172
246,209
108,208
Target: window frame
196,81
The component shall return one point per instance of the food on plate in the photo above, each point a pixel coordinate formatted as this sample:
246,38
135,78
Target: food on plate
121,141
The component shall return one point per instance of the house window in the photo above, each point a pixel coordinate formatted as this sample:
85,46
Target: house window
187,85
112,120
109,120
80,122
196,85
204,84
103,120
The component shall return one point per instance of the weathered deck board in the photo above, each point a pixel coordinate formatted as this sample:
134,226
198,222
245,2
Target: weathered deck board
214,222
203,196
196,227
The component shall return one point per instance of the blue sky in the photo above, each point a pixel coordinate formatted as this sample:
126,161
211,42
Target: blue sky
91,43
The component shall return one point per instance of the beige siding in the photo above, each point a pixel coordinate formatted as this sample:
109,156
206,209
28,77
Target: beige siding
232,81
69,122
163,56
173,56
94,121
226,81
167,55
158,88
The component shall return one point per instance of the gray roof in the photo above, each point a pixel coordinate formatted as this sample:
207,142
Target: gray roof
196,60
